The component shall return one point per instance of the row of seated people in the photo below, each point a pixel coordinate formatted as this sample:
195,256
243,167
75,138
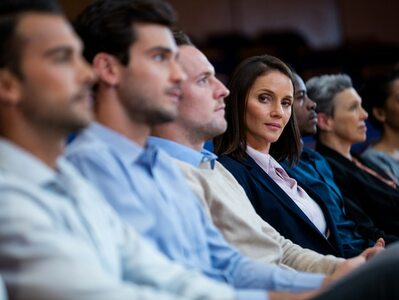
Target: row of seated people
59,239
302,209
357,211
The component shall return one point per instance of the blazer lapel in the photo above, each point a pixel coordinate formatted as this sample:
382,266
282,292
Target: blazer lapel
261,176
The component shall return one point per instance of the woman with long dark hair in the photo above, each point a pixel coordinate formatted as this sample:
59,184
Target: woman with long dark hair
262,130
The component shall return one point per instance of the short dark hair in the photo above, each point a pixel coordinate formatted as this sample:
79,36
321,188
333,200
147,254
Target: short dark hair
375,93
233,141
106,25
10,15
182,39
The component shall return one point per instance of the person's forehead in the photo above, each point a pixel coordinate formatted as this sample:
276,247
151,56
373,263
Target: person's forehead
347,97
299,84
273,79
150,35
194,62
44,27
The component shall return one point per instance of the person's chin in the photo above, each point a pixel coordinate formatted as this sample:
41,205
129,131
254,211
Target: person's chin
359,139
163,117
308,131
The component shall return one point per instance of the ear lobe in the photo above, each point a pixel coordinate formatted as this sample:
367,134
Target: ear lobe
10,88
324,122
379,114
107,68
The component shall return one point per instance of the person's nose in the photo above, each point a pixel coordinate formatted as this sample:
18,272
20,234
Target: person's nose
221,91
277,110
310,104
86,73
177,74
364,114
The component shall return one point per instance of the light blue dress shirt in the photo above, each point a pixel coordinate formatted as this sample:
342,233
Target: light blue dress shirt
184,153
146,184
3,293
60,240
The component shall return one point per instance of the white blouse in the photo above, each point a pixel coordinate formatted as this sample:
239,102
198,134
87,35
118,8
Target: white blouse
289,185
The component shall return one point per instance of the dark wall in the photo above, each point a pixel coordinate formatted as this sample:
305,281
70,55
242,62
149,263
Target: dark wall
359,37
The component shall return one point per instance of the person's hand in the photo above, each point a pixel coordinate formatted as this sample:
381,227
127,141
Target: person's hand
354,262
344,268
292,295
370,252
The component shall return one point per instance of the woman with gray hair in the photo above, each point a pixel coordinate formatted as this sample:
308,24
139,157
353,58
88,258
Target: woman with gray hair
370,196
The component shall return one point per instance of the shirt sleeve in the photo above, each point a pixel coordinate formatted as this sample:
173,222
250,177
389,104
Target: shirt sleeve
109,177
242,272
39,259
3,293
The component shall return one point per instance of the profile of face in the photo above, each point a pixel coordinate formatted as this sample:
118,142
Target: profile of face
389,113
268,109
305,108
348,123
150,85
202,108
53,92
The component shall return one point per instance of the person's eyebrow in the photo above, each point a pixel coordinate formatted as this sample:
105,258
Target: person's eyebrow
160,49
58,50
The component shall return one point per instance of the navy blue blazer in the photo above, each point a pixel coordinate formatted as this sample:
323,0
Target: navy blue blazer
314,174
279,210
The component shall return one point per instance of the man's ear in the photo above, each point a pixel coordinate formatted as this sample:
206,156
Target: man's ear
379,114
324,122
107,68
10,88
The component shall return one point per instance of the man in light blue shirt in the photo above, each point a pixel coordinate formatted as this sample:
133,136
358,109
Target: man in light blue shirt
139,87
201,117
59,239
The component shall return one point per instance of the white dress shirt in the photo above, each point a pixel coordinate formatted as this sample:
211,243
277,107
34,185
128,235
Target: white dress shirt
289,185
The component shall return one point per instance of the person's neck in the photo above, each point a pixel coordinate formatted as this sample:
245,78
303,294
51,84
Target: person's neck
389,141
44,145
179,135
110,113
258,145
333,142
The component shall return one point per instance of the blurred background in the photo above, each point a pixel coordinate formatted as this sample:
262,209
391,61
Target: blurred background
358,37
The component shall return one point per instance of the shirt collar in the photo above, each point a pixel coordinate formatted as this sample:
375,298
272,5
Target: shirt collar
124,147
260,158
22,164
184,153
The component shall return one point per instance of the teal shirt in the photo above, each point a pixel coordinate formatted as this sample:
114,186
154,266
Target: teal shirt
313,172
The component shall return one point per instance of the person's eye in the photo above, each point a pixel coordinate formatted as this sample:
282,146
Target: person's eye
160,57
62,57
263,98
286,103
203,81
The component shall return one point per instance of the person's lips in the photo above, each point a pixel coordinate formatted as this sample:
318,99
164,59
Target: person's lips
220,108
313,117
85,96
363,127
175,93
273,125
